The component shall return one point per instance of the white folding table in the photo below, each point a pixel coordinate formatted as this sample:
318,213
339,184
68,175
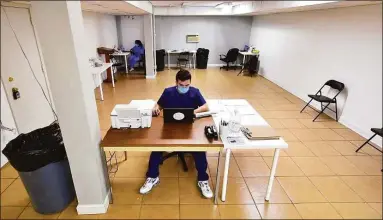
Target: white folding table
173,52
98,71
125,54
249,117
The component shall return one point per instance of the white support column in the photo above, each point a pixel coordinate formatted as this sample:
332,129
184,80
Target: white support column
149,46
62,39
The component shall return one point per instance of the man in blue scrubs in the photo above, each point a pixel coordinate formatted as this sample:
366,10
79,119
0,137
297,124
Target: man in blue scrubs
180,96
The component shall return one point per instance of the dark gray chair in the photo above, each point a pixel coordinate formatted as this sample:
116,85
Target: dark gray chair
252,66
183,58
180,155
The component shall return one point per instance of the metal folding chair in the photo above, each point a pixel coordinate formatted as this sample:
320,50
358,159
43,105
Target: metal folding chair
376,131
183,57
324,99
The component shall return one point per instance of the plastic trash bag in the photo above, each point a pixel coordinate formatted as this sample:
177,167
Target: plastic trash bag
36,149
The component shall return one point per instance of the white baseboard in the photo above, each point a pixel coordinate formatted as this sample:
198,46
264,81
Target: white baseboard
377,140
94,208
222,64
215,65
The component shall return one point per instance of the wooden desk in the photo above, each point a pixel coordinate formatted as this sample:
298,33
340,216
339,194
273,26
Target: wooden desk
164,137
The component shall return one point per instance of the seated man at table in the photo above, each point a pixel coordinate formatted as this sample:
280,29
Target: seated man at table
180,96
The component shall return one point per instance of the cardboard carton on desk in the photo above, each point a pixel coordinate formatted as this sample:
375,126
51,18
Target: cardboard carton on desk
136,114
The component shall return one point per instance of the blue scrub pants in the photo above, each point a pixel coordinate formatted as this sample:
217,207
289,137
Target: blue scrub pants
133,60
199,160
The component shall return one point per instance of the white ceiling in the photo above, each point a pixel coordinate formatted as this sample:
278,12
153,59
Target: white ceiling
308,7
261,7
121,7
111,7
192,3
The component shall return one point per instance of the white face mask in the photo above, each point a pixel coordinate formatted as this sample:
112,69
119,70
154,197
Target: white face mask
183,90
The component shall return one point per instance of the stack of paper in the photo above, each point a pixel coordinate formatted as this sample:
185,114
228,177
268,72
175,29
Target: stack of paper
260,133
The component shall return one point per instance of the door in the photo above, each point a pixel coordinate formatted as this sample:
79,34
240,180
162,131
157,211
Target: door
7,124
31,111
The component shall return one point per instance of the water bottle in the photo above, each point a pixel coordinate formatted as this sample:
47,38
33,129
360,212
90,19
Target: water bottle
235,123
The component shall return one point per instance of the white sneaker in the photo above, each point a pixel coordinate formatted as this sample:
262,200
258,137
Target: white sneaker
205,189
149,184
131,69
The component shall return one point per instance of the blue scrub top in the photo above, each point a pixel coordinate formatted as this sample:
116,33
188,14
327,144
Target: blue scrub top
171,98
138,51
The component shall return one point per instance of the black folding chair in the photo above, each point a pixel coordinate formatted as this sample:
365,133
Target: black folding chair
324,99
376,131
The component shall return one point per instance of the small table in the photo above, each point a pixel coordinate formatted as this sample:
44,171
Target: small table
170,52
125,54
98,71
249,117
244,54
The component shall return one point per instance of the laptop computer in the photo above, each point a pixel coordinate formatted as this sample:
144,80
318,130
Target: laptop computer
178,115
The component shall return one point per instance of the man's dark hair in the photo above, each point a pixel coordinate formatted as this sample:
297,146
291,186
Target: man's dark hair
183,75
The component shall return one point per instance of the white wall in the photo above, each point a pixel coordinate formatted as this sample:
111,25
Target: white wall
217,33
301,50
131,30
100,31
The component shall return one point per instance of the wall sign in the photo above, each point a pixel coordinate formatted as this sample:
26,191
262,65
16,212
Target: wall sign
192,38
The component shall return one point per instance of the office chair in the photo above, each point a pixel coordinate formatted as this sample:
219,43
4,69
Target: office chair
180,155
183,58
376,131
252,66
230,57
324,99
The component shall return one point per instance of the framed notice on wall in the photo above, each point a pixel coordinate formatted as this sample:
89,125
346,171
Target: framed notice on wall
192,38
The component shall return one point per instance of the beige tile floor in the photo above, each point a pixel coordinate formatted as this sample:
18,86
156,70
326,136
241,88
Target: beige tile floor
320,176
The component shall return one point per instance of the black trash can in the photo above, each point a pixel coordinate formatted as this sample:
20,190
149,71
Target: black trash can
160,60
40,159
202,58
